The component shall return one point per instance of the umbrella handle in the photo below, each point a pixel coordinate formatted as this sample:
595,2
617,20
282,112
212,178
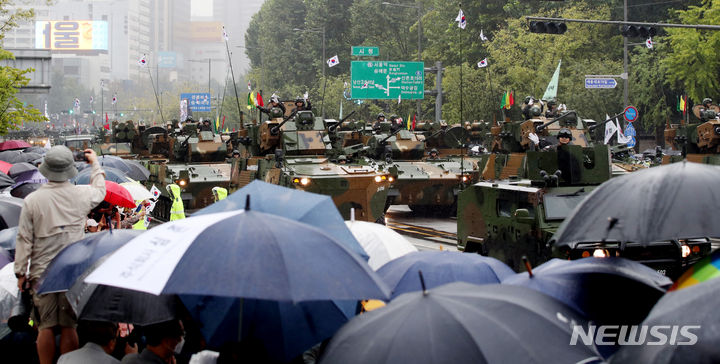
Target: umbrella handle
527,265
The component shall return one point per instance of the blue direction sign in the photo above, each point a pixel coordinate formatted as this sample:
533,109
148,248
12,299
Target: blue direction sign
600,83
630,114
197,101
631,142
630,130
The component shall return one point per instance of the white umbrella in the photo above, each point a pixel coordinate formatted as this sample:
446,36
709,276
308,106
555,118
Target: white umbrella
137,191
9,293
381,243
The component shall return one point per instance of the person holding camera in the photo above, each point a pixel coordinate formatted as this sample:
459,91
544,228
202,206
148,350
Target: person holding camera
51,218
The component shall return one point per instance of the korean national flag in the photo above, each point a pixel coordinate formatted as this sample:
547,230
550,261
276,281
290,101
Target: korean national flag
142,61
155,192
332,62
483,63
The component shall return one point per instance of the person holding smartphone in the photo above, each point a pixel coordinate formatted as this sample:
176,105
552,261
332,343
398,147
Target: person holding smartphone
51,218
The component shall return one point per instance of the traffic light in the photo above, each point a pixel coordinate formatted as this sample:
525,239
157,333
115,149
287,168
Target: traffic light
70,111
547,27
635,31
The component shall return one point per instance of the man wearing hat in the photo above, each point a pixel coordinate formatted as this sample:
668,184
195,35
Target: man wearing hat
52,217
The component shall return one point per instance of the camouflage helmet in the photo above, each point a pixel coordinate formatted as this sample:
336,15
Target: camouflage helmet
552,102
381,115
299,99
393,117
235,151
564,132
190,119
707,100
435,151
342,157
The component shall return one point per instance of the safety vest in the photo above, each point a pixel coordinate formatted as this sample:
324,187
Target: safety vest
220,193
177,210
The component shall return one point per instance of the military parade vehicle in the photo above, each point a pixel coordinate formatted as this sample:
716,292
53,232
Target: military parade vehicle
292,150
698,141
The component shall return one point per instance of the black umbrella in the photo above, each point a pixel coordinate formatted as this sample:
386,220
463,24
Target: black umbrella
26,157
10,211
692,312
38,150
21,167
5,180
137,171
675,201
111,174
114,162
106,303
463,323
10,156
25,189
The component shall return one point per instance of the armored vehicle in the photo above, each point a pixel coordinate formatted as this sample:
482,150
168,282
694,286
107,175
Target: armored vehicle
698,141
79,142
517,216
292,151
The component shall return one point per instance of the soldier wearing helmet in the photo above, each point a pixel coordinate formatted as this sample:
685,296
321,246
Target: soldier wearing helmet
564,136
342,159
705,112
302,104
552,111
276,109
433,154
376,124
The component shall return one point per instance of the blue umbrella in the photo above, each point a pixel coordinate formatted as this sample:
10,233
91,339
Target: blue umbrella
111,174
132,169
309,208
77,257
243,253
439,268
608,291
32,176
286,329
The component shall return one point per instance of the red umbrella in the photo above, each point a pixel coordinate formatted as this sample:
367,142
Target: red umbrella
118,195
14,144
5,167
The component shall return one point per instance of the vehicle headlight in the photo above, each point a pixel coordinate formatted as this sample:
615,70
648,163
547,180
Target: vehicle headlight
391,178
303,181
685,250
378,179
601,253
182,183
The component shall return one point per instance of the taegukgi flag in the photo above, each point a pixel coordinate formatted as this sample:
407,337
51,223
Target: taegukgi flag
483,63
334,61
462,23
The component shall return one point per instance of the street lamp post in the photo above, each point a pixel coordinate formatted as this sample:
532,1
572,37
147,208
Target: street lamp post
322,63
419,36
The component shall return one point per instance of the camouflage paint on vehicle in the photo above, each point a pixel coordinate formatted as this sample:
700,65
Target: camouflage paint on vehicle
697,142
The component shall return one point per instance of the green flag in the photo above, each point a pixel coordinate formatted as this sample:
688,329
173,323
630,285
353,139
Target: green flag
502,101
551,90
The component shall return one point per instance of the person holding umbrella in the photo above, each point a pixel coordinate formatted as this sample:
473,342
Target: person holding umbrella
51,218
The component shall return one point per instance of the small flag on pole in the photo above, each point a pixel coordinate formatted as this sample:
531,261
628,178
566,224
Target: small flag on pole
142,61
77,103
332,62
305,95
92,99
482,36
155,191
114,99
102,83
225,35
399,98
649,43
462,23
249,86
483,63
260,99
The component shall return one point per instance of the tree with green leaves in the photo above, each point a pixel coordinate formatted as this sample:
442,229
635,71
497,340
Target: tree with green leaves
13,112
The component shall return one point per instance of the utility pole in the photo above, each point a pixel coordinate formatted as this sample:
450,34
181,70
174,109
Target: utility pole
625,60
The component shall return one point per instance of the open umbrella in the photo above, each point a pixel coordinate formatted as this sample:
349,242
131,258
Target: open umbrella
20,168
14,144
5,167
10,211
31,176
106,303
111,174
5,180
381,243
25,189
309,208
137,171
705,269
241,253
138,191
673,201
114,162
10,156
441,267
35,149
593,285
687,320
116,194
7,238
9,293
76,258
463,323
286,329
26,157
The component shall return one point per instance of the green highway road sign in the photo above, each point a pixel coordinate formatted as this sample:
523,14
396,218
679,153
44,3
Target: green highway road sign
365,51
387,80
